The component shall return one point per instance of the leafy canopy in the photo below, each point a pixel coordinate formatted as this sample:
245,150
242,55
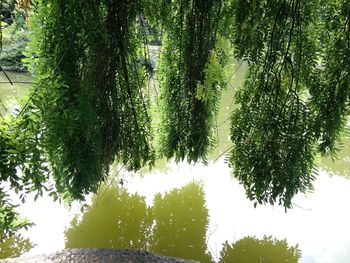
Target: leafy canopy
89,105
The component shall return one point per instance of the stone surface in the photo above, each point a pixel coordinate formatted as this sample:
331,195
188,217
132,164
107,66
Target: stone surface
98,255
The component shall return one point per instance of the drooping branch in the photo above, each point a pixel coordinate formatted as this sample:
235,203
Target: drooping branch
274,149
91,103
192,69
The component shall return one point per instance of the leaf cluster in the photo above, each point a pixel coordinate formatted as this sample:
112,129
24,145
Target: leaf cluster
88,106
10,222
330,90
89,89
295,99
192,77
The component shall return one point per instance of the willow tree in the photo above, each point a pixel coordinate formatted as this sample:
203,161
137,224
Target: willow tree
88,107
295,99
192,73
89,88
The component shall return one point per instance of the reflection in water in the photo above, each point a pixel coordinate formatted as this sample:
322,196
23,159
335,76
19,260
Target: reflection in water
176,225
14,246
116,219
181,222
253,250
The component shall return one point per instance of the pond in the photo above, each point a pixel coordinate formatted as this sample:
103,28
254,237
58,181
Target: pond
20,88
197,211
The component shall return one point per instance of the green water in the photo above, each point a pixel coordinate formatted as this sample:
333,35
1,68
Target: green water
226,106
175,225
15,246
21,84
8,92
251,249
340,165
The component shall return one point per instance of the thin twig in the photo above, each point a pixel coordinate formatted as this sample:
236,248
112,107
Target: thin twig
223,153
7,76
234,72
3,105
211,233
306,209
223,122
110,184
228,82
17,82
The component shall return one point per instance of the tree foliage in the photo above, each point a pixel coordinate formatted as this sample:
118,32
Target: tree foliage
88,107
294,99
192,76
272,130
9,223
330,90
89,90
14,35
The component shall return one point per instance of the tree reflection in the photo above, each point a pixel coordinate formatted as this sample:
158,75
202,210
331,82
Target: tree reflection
115,219
175,226
181,222
253,250
14,246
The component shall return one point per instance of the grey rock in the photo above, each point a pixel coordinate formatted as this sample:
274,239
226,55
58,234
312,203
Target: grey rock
98,255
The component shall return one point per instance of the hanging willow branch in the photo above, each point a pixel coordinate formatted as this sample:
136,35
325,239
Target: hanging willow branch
88,108
192,71
92,106
273,149
331,89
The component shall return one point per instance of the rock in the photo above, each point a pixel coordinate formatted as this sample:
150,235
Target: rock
98,255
